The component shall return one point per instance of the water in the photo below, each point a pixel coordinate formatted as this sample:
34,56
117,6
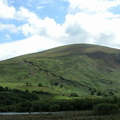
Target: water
27,113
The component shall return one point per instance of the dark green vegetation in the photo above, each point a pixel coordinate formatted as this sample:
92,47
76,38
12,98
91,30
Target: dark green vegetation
56,77
106,109
15,100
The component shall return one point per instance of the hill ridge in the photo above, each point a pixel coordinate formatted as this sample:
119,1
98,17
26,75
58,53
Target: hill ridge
76,49
78,68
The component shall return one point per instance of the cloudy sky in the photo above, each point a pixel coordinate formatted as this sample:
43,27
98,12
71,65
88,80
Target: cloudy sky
28,26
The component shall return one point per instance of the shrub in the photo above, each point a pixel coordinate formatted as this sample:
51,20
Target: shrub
1,88
74,95
54,108
39,85
19,109
56,83
61,85
106,109
36,106
3,109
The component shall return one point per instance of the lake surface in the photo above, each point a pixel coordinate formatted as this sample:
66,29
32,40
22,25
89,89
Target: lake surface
26,113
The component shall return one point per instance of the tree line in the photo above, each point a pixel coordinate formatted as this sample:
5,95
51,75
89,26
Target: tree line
15,100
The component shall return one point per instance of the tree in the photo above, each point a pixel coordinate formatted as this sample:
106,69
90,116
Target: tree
36,106
99,93
106,108
39,85
56,83
6,88
27,83
30,84
61,85
1,88
74,94
54,108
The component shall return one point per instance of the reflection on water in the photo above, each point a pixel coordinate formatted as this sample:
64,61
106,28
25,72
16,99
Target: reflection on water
26,113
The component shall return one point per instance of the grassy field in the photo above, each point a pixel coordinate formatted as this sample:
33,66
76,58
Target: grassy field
83,115
23,86
81,69
85,71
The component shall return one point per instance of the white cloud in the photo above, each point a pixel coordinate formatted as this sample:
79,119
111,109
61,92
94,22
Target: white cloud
9,27
26,29
10,12
92,22
91,28
46,27
24,14
29,45
93,5
40,7
6,11
45,1
89,21
7,37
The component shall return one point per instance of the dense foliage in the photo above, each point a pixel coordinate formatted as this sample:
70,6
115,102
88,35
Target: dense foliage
15,100
11,98
106,108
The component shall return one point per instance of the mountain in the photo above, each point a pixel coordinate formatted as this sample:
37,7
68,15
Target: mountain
83,69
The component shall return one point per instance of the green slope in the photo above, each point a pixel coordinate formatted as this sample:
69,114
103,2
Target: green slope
80,68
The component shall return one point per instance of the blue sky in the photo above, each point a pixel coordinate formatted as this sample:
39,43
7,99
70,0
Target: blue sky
28,26
56,9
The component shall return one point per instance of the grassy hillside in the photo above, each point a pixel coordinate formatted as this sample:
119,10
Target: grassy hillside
81,68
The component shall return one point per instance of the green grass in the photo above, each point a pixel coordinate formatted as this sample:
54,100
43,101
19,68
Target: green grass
23,86
76,68
62,97
11,85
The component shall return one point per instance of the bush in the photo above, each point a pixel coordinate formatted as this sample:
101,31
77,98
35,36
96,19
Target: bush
1,88
19,109
56,83
36,106
54,108
3,109
106,109
74,95
39,85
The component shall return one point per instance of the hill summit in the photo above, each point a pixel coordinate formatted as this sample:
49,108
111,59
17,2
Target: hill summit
83,69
